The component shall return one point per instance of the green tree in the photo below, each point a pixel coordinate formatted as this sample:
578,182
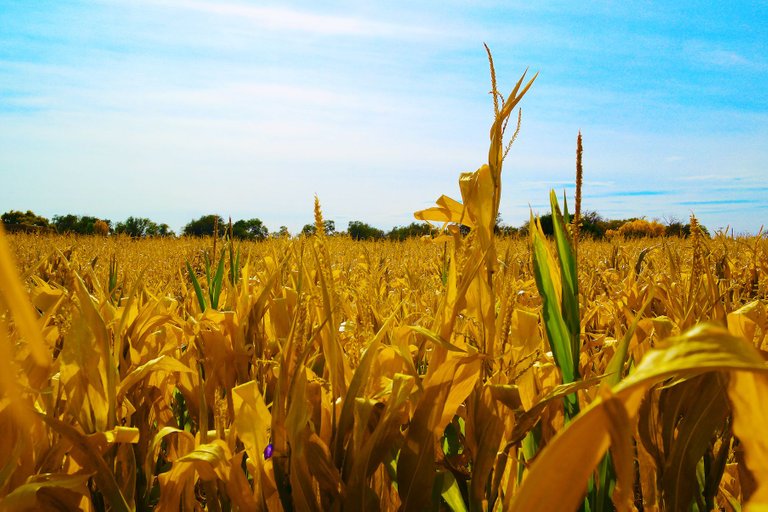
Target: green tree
165,230
328,225
66,223
362,231
252,229
675,227
29,218
414,229
84,225
282,232
87,225
137,227
204,226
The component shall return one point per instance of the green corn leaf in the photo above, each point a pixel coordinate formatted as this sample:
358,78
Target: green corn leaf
557,330
208,276
451,493
218,281
232,267
198,290
554,324
570,298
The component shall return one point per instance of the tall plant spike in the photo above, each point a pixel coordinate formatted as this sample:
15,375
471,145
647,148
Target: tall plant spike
579,183
319,223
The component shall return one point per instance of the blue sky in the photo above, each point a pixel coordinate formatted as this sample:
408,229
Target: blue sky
171,109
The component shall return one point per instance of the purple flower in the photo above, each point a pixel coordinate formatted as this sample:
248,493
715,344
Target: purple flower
268,451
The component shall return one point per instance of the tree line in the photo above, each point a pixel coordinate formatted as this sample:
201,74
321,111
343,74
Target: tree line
244,229
592,224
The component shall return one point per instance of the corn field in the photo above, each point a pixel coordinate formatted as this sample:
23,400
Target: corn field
461,372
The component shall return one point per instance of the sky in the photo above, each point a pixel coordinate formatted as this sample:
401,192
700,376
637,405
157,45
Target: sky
172,109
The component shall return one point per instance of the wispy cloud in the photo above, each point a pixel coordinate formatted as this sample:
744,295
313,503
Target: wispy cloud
715,55
300,20
634,193
721,201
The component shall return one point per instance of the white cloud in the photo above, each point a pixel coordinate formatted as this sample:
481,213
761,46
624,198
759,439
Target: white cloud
297,20
714,55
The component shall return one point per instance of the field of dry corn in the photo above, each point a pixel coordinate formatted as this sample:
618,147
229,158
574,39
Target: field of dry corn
462,372
304,388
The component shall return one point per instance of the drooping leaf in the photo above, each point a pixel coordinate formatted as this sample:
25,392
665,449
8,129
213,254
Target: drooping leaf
570,457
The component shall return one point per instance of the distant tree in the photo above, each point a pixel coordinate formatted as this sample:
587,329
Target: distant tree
508,230
362,231
87,224
546,225
204,226
328,225
66,223
84,225
282,233
592,224
101,228
136,227
252,229
499,225
675,227
165,230
414,229
638,228
16,217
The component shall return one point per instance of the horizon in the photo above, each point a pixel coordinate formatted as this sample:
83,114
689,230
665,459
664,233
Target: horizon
174,109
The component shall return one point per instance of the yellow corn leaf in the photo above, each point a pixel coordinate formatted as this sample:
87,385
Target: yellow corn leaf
745,320
557,479
558,482
239,490
252,418
415,467
534,412
525,332
116,435
9,385
664,327
620,429
14,297
481,305
100,345
50,492
126,471
435,338
177,489
477,192
185,443
447,211
747,392
83,377
296,426
87,454
357,384
373,451
43,295
211,460
484,430
322,467
163,363
464,379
